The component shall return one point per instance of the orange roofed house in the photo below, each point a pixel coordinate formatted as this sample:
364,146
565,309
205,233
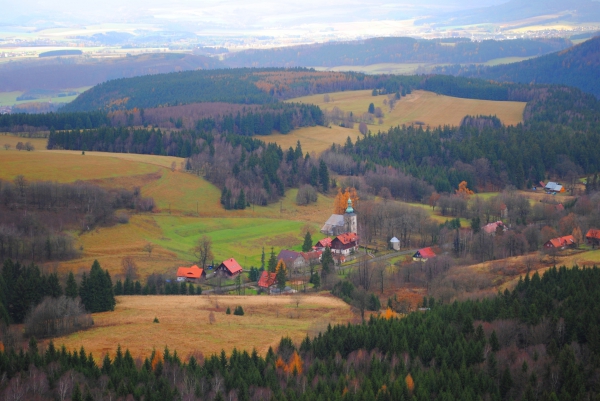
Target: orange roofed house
266,280
190,274
560,243
593,237
423,254
230,267
345,244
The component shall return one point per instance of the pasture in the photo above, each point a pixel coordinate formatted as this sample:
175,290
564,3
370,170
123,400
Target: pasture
419,107
184,323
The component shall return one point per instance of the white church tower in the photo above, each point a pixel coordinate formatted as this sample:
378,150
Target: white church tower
350,224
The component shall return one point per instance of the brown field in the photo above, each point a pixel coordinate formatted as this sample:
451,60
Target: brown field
184,323
427,107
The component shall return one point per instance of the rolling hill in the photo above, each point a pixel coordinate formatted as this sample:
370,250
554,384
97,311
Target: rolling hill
393,50
577,66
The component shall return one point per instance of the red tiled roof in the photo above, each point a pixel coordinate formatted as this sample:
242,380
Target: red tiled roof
193,272
232,266
562,241
593,233
491,228
347,238
426,253
325,242
311,255
267,279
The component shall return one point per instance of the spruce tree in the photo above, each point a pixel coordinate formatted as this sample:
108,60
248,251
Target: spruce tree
71,288
272,265
307,245
323,176
327,262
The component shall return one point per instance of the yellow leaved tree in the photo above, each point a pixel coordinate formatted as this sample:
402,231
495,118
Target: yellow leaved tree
341,200
463,190
410,384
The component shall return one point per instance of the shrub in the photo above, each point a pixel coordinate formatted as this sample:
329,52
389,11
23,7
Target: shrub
239,311
155,320
57,317
122,218
306,194
228,311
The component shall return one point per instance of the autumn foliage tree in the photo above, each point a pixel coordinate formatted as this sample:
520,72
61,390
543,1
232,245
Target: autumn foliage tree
463,190
341,200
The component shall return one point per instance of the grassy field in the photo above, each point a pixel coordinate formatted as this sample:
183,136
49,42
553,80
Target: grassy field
420,106
10,98
184,323
382,68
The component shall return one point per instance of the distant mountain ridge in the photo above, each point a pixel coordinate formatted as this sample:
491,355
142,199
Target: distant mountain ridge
578,66
61,73
394,50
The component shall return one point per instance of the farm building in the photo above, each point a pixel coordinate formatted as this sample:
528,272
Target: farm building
267,280
395,244
492,228
190,274
230,267
322,244
312,257
593,237
422,255
345,244
292,259
341,223
560,243
554,187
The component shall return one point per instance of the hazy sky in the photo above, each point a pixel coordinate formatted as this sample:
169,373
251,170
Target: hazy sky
228,13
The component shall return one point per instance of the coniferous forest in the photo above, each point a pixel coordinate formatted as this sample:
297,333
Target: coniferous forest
540,341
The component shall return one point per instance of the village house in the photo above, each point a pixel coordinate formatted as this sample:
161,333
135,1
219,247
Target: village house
322,244
345,244
190,274
292,259
593,237
229,267
560,243
554,187
267,280
312,257
422,255
395,244
494,227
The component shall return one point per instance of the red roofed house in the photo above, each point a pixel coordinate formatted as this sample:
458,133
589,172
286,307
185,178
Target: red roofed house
423,254
267,279
593,237
190,274
230,267
344,244
322,244
313,257
560,243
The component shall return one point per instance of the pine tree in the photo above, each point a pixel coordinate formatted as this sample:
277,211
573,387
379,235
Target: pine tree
323,176
307,245
281,275
272,262
262,259
71,288
327,262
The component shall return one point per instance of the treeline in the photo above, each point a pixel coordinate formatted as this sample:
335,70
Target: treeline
576,67
394,50
37,214
24,287
535,342
58,121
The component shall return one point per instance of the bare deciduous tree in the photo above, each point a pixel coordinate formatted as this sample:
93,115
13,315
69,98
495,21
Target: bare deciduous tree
129,268
148,248
203,250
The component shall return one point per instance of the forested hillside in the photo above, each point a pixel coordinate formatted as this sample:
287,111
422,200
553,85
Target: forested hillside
577,66
560,135
538,342
393,50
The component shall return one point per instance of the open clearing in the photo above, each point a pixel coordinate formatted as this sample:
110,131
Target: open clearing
420,106
184,323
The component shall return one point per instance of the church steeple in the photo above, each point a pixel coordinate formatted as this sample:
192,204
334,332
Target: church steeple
349,209
350,223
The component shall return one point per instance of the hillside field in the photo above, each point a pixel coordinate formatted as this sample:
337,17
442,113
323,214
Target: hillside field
184,323
420,106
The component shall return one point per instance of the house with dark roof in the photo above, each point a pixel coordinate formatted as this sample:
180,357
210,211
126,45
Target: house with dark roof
560,243
593,237
190,274
422,255
267,280
292,259
345,244
230,267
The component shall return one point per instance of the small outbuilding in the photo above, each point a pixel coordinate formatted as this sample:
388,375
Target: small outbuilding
230,267
395,244
593,237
